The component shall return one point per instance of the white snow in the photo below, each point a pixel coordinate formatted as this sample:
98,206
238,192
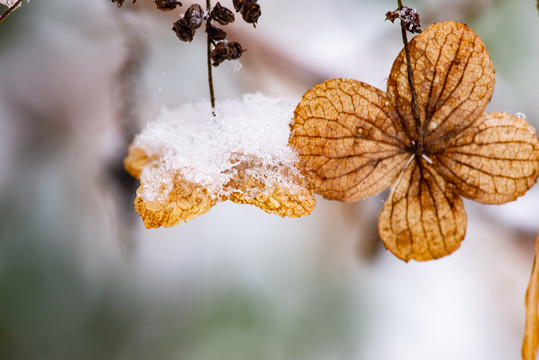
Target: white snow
254,129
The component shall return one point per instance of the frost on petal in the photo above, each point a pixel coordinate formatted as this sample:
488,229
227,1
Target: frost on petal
347,140
188,160
247,188
180,201
531,330
453,79
493,161
423,217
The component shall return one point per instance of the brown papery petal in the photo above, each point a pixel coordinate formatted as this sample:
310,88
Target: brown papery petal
494,161
531,331
185,201
169,203
347,140
294,200
423,217
453,78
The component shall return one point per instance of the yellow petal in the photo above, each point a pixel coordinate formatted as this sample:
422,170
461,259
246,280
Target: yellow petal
347,140
453,79
531,331
493,161
423,217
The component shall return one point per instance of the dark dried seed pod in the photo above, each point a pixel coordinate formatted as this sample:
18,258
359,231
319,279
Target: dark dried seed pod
410,18
215,33
220,53
194,16
392,15
251,12
183,31
167,4
237,4
235,50
221,14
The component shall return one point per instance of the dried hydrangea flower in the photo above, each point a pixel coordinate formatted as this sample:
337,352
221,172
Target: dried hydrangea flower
355,141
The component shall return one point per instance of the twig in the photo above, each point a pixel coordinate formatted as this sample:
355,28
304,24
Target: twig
10,10
208,55
415,106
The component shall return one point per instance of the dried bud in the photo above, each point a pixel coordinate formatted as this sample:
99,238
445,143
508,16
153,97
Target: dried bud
183,31
194,16
215,33
167,4
235,50
410,18
220,53
237,4
225,51
249,10
392,15
222,15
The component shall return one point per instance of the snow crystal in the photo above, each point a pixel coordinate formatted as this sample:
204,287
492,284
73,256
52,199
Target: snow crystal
520,115
235,64
205,149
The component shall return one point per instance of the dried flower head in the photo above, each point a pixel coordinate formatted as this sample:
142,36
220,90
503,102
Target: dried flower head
225,51
355,140
194,16
215,33
222,15
408,16
183,30
166,5
249,10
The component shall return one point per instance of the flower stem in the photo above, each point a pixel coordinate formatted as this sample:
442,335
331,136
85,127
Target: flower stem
208,55
10,10
415,106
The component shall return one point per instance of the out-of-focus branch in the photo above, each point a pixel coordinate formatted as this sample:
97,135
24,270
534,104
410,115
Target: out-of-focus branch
10,10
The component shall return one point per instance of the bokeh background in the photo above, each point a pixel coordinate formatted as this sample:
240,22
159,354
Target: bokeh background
80,276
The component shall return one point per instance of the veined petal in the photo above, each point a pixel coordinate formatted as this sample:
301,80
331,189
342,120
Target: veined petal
182,202
423,217
347,140
493,161
453,79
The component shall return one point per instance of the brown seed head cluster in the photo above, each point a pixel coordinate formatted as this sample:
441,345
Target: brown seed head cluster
185,28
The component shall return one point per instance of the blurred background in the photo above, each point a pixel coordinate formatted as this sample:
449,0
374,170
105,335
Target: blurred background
80,276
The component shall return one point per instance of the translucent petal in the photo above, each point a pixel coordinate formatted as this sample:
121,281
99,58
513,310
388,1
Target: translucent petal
423,217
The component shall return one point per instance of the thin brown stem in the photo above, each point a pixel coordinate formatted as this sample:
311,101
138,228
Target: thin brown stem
208,55
410,73
10,10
